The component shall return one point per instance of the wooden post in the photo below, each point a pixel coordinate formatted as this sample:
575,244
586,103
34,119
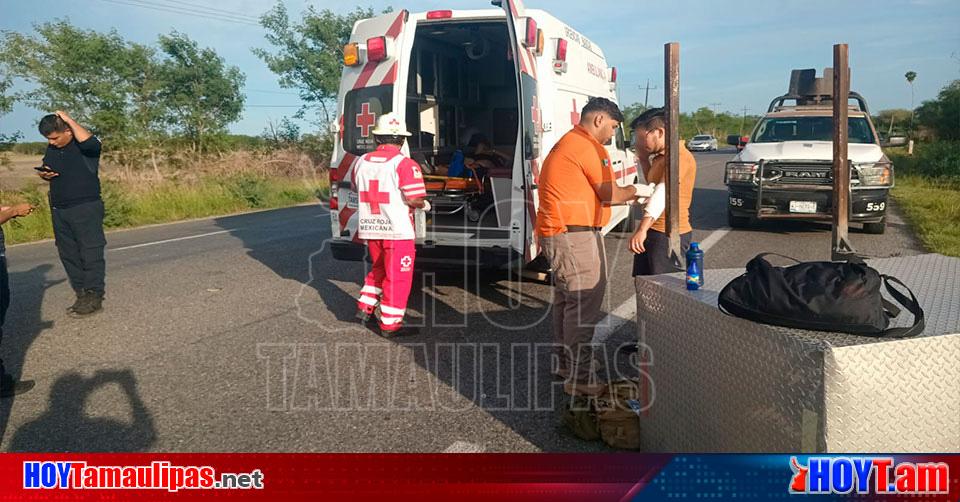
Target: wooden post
841,248
671,101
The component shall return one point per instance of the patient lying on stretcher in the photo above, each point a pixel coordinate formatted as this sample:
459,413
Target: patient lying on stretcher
487,161
464,184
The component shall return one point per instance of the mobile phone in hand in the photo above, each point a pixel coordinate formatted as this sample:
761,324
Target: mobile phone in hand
44,169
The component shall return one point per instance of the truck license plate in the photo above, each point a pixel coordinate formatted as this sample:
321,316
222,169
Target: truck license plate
803,206
353,200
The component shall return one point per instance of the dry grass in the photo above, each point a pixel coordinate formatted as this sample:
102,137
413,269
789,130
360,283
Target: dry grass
177,190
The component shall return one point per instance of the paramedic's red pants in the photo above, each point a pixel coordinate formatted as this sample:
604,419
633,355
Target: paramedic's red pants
388,283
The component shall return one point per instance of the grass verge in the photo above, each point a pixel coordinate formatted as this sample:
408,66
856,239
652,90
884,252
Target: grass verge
130,205
932,206
928,190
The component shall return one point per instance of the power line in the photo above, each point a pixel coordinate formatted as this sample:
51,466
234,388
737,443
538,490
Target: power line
272,92
192,10
136,3
211,9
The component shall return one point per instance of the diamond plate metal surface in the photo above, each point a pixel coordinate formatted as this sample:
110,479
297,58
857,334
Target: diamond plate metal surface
722,383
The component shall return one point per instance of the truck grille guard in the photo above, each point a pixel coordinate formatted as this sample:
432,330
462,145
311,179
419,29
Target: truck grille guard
811,175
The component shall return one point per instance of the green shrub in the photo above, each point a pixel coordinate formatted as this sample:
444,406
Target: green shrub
248,188
939,160
29,228
118,205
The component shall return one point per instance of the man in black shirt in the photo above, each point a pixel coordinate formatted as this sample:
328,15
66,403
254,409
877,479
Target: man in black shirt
72,161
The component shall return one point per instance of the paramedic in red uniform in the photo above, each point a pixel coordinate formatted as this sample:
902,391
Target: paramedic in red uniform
390,187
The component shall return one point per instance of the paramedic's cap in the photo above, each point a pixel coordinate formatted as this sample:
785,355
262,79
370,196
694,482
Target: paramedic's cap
390,125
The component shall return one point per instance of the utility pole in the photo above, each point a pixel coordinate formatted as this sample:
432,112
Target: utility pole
716,122
646,95
743,119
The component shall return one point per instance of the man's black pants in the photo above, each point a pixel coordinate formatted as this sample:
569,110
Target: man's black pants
78,231
656,260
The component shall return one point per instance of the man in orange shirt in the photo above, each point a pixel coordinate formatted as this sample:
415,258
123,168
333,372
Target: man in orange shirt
576,189
650,242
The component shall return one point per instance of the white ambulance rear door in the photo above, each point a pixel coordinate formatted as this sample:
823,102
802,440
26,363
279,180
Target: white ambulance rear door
526,170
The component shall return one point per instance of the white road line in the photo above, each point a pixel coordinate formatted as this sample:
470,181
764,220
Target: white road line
464,447
712,239
165,241
627,310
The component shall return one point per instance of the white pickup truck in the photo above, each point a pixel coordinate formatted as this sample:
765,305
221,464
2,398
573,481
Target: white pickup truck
785,169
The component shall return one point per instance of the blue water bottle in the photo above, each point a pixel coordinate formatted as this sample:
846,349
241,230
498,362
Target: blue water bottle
694,267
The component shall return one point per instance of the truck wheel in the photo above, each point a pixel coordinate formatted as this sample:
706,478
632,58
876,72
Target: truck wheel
629,224
735,221
875,228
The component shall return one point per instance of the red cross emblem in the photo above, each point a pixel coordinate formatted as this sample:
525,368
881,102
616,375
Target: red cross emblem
375,197
575,114
535,114
365,120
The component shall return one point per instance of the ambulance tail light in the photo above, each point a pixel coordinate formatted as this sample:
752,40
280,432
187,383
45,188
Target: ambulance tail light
539,42
613,74
351,54
377,48
440,14
561,49
531,36
560,58
334,202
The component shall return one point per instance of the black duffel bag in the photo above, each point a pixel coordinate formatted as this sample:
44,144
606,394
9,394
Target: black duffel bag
821,296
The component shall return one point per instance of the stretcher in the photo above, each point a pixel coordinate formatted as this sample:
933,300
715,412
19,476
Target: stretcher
455,195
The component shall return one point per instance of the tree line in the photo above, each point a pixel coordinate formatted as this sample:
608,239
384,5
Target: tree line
173,95
703,121
138,97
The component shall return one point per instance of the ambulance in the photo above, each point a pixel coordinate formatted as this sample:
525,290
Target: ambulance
515,77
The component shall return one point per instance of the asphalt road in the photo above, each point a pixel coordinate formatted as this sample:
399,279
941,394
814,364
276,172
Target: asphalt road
237,334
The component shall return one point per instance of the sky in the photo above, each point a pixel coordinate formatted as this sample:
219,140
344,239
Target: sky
731,58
